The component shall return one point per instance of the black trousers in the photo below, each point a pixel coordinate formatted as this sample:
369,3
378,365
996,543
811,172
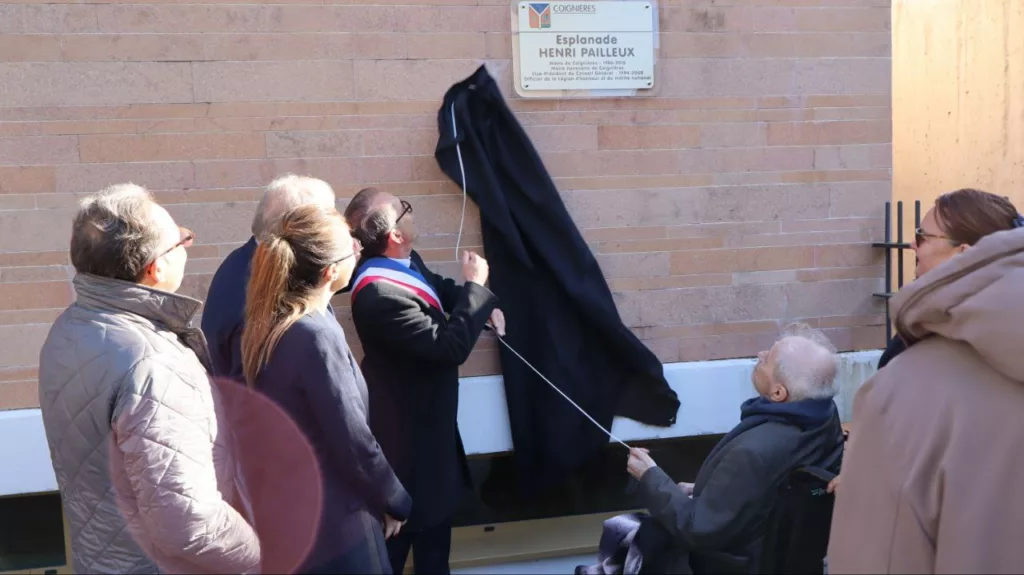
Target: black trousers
430,550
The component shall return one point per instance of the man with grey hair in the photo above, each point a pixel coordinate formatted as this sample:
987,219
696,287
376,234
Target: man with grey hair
225,302
717,524
145,471
803,365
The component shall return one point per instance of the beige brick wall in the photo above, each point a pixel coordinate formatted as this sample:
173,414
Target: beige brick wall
744,195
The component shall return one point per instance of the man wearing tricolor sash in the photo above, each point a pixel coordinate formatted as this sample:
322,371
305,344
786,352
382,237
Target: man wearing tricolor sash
416,329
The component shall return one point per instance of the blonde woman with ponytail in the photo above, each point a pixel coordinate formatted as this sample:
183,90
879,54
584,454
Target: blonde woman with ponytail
295,352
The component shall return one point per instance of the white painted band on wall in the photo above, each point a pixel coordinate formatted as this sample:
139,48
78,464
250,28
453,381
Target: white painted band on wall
24,455
710,392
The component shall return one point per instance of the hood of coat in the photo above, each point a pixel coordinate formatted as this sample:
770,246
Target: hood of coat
974,298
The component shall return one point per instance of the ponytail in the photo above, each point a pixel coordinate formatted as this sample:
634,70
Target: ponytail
286,270
269,311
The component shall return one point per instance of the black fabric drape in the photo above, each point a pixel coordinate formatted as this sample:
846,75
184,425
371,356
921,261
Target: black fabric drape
560,312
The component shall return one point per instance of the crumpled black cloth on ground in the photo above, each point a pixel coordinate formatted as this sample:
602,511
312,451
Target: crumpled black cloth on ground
616,553
626,541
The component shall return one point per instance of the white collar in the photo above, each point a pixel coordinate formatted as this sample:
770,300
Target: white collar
407,262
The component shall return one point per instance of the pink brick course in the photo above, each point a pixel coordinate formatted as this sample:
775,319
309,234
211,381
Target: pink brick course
742,195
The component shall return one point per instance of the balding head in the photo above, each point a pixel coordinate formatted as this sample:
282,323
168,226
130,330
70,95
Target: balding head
114,234
802,362
360,205
382,223
286,193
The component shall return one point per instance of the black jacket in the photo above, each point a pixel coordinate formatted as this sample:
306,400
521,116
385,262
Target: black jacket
895,347
411,363
559,310
224,312
722,527
314,378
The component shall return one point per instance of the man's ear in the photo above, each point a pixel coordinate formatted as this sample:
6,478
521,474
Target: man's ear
780,393
396,236
152,273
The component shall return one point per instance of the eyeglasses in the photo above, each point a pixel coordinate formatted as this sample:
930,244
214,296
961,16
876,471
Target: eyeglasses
406,209
920,236
187,239
357,248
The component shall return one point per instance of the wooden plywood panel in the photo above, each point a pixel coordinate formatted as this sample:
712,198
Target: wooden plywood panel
958,99
483,545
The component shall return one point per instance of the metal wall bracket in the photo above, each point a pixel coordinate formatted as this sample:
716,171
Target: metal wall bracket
900,246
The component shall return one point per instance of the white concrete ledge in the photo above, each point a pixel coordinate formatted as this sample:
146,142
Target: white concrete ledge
710,392
24,455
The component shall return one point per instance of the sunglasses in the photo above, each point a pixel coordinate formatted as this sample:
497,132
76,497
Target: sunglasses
188,237
920,236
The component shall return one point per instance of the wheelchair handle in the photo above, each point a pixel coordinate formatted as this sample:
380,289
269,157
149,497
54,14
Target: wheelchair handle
822,474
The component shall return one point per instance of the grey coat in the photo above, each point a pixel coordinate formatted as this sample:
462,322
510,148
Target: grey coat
146,475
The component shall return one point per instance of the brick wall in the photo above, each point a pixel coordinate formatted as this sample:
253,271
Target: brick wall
742,196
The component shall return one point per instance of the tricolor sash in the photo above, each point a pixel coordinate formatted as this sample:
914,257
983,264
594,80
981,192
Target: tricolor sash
395,273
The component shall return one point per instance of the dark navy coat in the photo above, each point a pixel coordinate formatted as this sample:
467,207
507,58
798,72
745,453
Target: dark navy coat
224,311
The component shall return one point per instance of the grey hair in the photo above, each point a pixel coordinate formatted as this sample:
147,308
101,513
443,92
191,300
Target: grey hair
806,363
369,223
113,234
359,206
373,231
285,193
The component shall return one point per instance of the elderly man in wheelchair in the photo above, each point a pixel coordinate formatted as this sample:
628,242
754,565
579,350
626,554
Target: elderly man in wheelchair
760,502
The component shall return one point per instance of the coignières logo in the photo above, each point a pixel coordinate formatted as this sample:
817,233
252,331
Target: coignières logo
540,13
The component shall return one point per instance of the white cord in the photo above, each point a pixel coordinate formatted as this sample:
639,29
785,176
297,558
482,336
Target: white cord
548,381
462,171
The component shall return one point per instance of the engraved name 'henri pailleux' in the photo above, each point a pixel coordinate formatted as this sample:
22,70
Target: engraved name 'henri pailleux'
589,47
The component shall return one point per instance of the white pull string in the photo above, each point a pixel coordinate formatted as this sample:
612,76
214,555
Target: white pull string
462,172
458,242
560,392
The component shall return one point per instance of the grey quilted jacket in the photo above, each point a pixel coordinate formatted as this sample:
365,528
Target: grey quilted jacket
147,478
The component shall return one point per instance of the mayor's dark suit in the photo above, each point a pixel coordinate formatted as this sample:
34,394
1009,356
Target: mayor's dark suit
411,364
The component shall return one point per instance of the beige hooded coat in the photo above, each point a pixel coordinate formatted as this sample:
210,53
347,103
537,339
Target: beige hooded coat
932,476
